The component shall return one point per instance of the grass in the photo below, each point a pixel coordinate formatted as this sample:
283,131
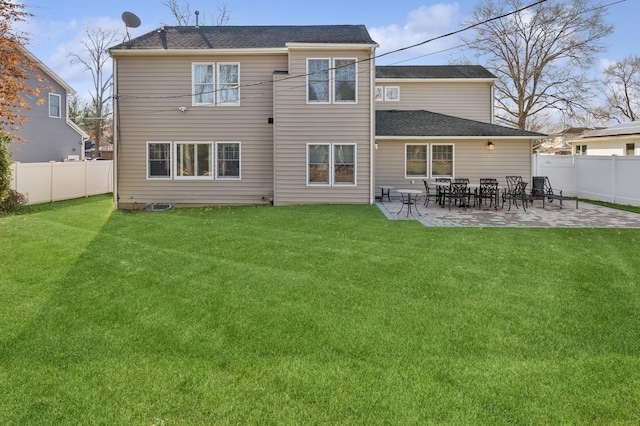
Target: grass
312,315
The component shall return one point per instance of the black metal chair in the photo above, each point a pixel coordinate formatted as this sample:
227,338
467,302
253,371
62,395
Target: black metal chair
467,181
519,192
442,191
512,182
458,191
429,193
542,190
488,191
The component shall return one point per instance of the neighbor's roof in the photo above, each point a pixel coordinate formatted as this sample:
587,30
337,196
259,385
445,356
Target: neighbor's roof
433,71
427,123
246,37
632,128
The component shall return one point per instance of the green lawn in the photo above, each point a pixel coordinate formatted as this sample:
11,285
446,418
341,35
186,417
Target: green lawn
312,315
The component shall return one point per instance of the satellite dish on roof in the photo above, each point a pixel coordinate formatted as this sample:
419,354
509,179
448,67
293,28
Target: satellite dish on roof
130,20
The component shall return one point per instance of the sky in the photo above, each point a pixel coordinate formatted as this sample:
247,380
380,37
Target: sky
58,26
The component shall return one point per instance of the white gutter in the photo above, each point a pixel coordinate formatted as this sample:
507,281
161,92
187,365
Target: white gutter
116,120
372,125
457,137
196,52
435,80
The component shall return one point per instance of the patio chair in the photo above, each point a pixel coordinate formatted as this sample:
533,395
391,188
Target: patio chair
429,193
442,191
488,191
458,191
467,181
518,193
512,182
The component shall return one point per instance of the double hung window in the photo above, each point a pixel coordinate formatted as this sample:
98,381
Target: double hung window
54,105
228,160
216,84
331,164
331,80
420,164
159,160
416,160
442,160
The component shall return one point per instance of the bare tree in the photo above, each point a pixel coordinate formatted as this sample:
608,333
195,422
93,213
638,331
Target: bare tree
181,11
540,55
95,59
621,88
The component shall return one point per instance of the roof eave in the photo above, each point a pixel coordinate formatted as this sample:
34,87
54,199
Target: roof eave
457,137
435,80
197,52
331,46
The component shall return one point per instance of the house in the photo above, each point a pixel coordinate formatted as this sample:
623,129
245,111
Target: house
623,139
560,143
47,133
294,115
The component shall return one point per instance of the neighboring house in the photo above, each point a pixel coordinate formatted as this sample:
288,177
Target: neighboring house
623,139
295,115
47,133
560,143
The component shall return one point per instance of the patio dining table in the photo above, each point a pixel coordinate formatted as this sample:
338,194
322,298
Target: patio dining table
412,197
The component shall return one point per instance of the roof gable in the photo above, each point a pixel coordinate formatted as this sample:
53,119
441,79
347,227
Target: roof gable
246,37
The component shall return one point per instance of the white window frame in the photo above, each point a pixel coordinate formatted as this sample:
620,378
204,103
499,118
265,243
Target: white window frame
329,88
212,170
213,84
427,162
219,84
387,93
332,77
379,93
171,168
331,165
55,95
453,159
216,159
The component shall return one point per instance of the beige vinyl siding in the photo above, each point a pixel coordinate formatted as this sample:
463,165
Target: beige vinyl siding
150,92
470,100
471,160
298,123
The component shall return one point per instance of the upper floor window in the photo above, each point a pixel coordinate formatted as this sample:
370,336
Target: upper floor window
387,93
54,105
318,77
216,83
331,80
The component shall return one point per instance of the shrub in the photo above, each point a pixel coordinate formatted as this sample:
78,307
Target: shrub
12,200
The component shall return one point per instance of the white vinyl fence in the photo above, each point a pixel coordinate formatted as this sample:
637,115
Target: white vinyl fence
54,181
614,179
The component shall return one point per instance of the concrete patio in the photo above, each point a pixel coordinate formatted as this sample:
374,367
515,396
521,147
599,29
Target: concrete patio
551,216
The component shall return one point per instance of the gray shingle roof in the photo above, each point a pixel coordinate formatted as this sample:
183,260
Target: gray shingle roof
632,128
427,123
433,71
246,37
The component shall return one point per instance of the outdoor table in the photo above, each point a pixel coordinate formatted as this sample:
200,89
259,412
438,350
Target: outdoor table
383,189
409,201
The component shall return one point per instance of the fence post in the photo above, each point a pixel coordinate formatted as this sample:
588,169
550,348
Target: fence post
614,164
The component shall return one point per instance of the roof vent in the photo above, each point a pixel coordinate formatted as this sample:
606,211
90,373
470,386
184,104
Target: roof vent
197,20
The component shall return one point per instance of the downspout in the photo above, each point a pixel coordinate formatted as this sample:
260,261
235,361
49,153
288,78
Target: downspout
372,125
116,130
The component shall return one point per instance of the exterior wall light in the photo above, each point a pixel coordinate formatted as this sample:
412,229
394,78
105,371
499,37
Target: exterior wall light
490,146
